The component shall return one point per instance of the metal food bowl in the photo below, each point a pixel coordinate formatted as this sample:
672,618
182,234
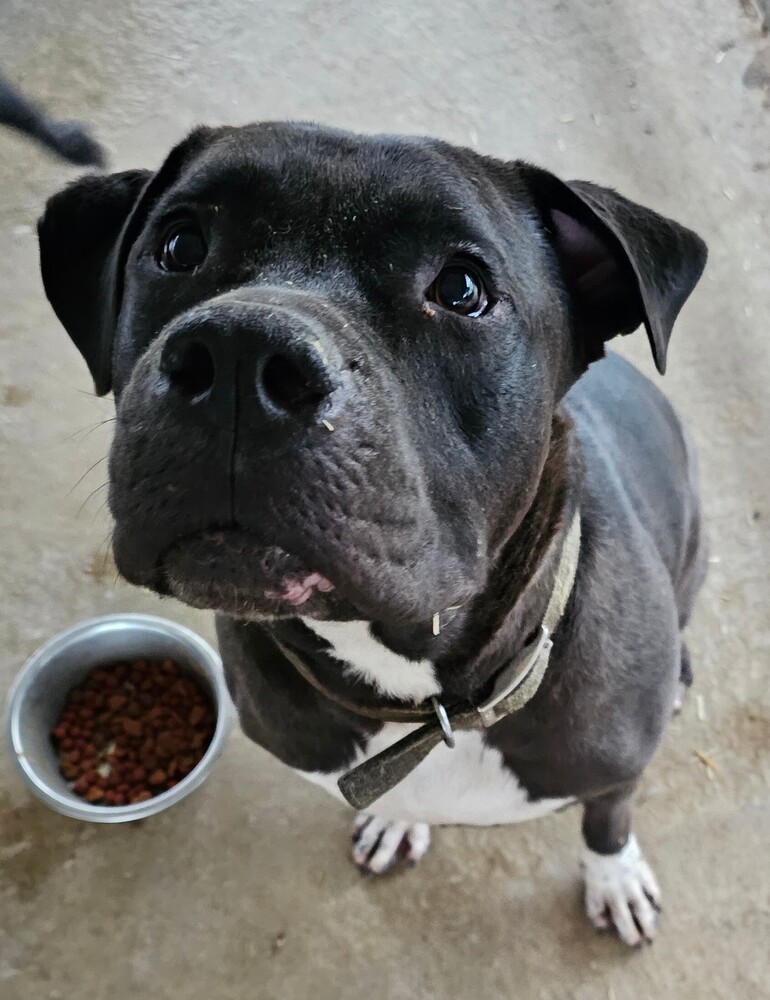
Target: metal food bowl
39,693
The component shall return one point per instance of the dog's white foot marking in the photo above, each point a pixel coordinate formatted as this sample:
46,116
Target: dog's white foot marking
378,843
679,698
622,891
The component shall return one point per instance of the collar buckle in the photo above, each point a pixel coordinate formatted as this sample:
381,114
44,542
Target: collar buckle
502,701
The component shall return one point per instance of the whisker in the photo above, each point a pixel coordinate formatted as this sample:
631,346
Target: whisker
89,429
99,510
91,469
92,493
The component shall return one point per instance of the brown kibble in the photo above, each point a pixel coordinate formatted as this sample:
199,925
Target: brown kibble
131,731
133,727
167,742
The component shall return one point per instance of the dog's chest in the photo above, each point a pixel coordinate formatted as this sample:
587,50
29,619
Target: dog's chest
468,784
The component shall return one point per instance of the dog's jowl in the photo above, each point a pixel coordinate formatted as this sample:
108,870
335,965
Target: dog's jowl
364,413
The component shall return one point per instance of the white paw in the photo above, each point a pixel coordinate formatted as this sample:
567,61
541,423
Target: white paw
621,891
378,843
679,698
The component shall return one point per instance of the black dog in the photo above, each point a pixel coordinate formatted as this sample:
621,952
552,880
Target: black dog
67,139
354,416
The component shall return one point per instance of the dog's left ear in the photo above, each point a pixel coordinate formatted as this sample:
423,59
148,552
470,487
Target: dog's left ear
622,264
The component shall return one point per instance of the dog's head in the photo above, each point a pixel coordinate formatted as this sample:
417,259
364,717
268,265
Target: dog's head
336,358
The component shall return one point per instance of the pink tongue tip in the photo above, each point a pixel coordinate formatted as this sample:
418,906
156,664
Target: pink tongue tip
298,591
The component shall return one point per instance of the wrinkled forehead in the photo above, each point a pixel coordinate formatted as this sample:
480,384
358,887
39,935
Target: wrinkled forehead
333,181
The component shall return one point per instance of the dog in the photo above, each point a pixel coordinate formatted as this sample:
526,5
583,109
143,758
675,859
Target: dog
365,413
68,140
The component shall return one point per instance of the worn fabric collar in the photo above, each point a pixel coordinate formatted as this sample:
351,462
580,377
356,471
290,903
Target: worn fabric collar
515,685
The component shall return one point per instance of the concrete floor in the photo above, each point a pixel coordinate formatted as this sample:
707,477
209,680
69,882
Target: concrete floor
668,102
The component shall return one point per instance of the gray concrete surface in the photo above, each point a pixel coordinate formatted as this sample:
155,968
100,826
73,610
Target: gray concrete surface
653,97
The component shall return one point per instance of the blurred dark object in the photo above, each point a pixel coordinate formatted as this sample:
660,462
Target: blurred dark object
760,9
68,140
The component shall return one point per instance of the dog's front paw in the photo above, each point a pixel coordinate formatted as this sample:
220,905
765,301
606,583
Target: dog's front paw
622,891
378,843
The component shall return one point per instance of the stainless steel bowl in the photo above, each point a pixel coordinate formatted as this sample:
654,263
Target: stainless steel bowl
40,691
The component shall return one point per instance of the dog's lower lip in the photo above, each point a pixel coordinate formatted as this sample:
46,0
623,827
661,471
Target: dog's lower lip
299,590
233,570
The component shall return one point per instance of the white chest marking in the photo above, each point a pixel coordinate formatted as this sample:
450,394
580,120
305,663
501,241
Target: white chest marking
363,656
469,784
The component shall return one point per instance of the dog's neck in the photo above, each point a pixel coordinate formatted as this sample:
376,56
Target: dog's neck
383,662
510,607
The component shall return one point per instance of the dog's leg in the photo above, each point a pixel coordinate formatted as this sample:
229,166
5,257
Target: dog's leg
378,843
685,678
620,887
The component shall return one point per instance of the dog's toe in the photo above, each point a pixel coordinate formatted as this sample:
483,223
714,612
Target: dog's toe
379,843
621,891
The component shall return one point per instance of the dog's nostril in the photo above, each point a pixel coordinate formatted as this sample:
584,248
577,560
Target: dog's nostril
190,367
288,387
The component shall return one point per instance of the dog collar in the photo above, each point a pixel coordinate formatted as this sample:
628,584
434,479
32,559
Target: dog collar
515,685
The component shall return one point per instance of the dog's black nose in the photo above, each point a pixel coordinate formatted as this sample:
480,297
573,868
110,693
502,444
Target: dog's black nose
189,363
207,360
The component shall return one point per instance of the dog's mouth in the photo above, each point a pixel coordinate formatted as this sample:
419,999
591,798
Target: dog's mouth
232,571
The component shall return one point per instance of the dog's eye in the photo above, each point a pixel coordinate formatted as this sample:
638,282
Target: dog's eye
460,288
183,249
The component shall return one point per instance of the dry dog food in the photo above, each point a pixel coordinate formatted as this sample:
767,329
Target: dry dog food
132,730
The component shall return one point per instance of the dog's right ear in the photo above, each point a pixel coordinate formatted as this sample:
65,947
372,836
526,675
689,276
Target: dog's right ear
80,236
86,233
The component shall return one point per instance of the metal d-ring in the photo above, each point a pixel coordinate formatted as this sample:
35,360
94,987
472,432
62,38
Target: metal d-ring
443,719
